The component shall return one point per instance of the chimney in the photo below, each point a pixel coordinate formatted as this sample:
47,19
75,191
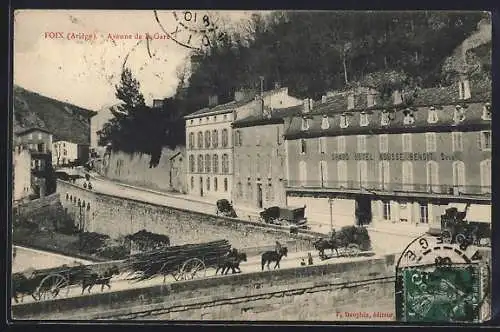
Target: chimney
397,97
213,100
307,105
464,89
323,99
239,95
370,98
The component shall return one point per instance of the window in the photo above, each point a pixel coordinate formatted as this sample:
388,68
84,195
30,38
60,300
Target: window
424,213
305,124
225,163
486,112
459,175
215,138
215,161
409,118
383,143
384,174
239,190
322,145
341,144
458,114
407,176
208,184
464,89
407,143
30,136
485,167
257,164
432,173
271,192
385,118
237,138
342,173
303,146
39,135
200,164
325,124
192,121
363,173
361,143
485,140
207,163
432,116
207,139
363,119
387,210
215,184
344,121
224,117
191,140
323,172
191,163
192,180
350,102
249,191
225,185
457,141
200,140
302,172
224,138
430,142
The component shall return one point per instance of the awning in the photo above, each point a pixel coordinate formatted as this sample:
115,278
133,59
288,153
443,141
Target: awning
459,206
479,213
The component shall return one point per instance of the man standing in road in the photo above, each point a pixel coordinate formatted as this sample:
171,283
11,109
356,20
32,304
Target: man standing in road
278,247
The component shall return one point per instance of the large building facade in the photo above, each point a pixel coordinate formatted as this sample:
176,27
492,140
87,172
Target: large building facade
354,159
210,140
259,159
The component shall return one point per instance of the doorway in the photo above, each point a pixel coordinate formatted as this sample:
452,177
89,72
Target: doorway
363,210
201,186
259,195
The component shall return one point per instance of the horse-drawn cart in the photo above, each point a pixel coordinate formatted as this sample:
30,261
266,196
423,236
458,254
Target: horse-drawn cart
288,216
455,228
225,208
184,262
47,283
350,241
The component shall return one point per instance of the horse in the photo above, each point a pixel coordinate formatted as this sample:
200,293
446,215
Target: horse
322,244
23,285
231,262
273,256
104,279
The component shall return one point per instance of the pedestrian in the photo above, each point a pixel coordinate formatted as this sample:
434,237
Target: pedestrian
278,247
309,258
302,263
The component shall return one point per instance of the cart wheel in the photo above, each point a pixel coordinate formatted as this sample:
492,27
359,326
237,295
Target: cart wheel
51,287
193,267
353,250
446,236
461,238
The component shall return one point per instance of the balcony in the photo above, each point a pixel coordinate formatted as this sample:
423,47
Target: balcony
390,188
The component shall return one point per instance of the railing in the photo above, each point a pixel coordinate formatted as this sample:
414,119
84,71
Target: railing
392,187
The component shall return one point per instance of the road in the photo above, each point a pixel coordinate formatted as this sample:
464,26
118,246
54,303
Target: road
382,242
27,258
121,282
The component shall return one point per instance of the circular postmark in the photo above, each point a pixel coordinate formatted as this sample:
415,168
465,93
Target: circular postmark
192,29
441,282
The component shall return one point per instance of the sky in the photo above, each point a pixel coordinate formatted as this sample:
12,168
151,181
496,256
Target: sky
85,72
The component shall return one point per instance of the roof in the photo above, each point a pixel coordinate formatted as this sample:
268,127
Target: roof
228,107
434,96
277,116
22,131
59,118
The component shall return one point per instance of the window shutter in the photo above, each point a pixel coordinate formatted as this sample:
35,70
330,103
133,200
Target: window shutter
479,144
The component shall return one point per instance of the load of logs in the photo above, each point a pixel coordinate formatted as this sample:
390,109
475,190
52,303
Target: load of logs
170,259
